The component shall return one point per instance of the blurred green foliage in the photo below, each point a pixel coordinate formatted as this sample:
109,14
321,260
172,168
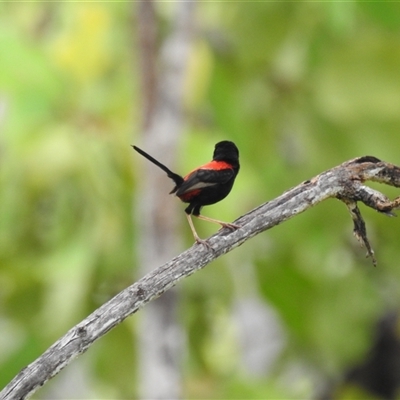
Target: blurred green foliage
300,87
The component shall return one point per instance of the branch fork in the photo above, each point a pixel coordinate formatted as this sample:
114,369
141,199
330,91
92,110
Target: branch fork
369,168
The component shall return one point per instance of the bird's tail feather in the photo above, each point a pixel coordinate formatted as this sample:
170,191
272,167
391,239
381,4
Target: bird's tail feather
175,177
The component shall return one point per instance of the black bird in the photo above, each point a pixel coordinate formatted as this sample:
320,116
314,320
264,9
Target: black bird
205,185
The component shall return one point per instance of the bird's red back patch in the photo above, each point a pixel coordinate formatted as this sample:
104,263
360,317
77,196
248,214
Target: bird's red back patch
213,165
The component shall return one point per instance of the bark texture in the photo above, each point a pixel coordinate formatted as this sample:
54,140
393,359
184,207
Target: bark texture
344,182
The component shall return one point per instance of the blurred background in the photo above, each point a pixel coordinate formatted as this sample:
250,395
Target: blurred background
296,312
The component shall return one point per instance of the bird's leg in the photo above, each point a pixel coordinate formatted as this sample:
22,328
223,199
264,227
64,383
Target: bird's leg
196,236
216,221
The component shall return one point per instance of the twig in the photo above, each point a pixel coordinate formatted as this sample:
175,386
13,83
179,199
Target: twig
344,182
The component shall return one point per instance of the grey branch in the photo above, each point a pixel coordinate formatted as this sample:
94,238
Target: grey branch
344,182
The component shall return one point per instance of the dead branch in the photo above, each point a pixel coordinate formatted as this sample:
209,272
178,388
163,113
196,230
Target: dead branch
344,182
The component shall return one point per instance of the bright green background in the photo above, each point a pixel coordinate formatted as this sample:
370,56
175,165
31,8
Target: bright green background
300,87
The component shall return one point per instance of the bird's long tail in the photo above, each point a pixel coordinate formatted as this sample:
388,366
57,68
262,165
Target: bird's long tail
175,177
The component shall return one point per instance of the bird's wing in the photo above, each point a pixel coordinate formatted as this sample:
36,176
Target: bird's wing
204,177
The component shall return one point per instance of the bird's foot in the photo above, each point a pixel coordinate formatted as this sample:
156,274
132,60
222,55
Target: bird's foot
233,227
204,243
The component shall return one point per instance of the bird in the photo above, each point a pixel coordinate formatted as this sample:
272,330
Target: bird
205,185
